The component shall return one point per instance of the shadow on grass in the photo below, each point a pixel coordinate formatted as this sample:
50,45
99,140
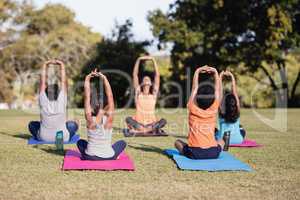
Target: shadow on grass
20,135
50,150
118,129
147,148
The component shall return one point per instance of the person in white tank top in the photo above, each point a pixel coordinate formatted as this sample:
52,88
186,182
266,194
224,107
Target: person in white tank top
53,108
99,125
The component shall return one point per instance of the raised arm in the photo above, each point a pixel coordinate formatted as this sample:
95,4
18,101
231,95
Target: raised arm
135,75
217,81
157,76
43,81
111,105
234,88
63,75
195,83
222,74
87,100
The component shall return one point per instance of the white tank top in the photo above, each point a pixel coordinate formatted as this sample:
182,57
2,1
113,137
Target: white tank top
53,117
99,141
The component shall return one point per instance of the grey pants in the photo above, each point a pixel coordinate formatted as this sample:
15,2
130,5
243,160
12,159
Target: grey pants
136,125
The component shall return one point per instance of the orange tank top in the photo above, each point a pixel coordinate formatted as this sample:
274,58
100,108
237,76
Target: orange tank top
202,124
145,109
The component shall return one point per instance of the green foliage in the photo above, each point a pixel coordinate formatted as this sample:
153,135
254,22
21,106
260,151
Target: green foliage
47,19
47,33
226,33
119,53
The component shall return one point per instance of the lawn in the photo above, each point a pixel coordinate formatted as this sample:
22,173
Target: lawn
34,172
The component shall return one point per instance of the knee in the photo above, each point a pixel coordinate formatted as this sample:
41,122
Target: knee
33,125
163,121
122,144
128,120
81,143
72,125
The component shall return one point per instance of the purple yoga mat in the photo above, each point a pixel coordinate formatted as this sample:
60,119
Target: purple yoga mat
72,161
247,144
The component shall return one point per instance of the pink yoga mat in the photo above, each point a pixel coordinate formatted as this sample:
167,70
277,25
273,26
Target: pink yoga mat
72,161
247,144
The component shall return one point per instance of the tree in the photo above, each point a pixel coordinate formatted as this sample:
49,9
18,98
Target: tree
226,33
116,54
47,33
7,10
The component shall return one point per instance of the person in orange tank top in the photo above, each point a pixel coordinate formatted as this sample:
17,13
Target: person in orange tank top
145,122
203,109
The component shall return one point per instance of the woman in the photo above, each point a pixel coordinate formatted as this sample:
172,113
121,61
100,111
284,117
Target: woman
53,108
229,113
99,125
145,122
203,108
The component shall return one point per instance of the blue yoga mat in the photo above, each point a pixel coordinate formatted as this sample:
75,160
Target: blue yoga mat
73,140
225,162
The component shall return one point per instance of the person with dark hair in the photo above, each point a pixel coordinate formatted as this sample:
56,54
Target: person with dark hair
229,113
53,108
99,125
203,107
145,122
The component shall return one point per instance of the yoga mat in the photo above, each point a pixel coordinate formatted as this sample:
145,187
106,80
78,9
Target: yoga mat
226,162
247,144
73,140
131,134
72,161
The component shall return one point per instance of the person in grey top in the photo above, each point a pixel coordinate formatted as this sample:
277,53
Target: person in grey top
99,120
53,108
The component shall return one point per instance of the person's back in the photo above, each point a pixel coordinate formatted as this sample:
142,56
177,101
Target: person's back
202,124
99,121
203,108
234,129
53,117
229,113
53,108
99,140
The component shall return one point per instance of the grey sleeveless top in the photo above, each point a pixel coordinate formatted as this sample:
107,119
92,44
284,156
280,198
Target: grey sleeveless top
99,141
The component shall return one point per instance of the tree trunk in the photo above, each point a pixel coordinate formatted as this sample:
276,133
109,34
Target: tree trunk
280,93
284,90
292,99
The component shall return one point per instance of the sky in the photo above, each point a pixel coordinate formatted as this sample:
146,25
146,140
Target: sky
101,15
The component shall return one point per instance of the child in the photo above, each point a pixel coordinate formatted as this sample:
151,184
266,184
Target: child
203,108
53,108
99,125
145,122
229,113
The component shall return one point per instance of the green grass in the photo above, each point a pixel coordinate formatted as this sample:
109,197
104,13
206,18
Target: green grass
29,172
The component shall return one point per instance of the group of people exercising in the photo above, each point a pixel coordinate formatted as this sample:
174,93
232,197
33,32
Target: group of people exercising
207,106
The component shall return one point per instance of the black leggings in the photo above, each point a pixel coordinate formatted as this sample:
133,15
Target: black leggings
136,125
118,148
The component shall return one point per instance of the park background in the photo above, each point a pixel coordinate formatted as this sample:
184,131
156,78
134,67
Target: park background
258,41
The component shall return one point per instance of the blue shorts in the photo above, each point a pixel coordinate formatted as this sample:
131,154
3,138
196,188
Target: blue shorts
199,153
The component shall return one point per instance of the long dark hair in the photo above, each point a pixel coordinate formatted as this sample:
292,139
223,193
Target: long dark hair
97,96
52,92
229,108
206,91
